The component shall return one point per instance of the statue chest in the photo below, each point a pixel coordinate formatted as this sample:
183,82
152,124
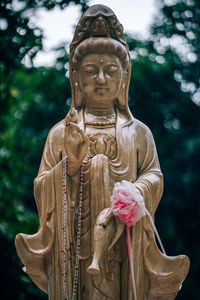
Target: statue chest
102,142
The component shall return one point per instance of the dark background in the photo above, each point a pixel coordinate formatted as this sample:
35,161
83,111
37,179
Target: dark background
165,81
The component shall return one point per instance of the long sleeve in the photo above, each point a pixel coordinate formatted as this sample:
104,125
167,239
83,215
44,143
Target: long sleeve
35,250
149,177
51,161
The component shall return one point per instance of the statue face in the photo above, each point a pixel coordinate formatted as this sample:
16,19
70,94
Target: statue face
100,78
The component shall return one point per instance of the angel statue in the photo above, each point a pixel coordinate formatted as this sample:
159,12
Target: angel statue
98,144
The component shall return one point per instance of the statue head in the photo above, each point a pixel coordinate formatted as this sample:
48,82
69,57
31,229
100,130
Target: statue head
99,43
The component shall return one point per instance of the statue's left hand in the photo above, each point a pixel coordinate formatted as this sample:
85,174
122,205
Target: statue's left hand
104,216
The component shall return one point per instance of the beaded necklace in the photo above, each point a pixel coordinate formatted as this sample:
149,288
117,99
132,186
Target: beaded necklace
63,251
111,123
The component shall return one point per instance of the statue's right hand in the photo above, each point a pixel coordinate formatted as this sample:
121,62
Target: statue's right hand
76,146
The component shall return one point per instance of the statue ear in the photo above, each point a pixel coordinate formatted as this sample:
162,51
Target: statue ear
78,99
122,93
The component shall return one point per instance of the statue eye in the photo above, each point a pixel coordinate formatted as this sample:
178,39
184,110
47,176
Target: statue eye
112,69
90,70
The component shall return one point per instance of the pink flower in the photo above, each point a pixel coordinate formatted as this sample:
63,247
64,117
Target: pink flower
127,202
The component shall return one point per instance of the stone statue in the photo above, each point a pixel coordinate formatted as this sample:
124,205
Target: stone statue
98,144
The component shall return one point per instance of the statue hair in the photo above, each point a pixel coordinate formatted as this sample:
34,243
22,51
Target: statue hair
100,45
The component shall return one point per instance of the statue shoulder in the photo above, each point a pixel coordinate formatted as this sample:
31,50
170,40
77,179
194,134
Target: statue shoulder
57,131
54,142
142,130
53,147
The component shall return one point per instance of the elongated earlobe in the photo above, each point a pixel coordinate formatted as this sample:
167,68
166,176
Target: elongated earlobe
121,98
122,93
78,98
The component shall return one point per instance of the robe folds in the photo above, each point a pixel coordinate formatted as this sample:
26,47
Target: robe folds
157,275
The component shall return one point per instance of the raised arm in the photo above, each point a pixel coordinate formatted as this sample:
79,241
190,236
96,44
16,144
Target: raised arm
64,139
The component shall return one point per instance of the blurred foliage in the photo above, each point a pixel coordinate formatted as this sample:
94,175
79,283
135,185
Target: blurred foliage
164,94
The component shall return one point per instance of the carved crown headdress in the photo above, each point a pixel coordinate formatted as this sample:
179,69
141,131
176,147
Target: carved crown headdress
98,21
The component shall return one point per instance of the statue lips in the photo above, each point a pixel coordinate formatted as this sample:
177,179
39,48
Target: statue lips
101,90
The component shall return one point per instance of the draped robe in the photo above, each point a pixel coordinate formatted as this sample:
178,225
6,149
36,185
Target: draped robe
157,276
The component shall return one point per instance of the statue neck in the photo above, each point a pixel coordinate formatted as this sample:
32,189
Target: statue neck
99,114
106,111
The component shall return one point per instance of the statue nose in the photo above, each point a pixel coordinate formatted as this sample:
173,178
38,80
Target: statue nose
101,78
